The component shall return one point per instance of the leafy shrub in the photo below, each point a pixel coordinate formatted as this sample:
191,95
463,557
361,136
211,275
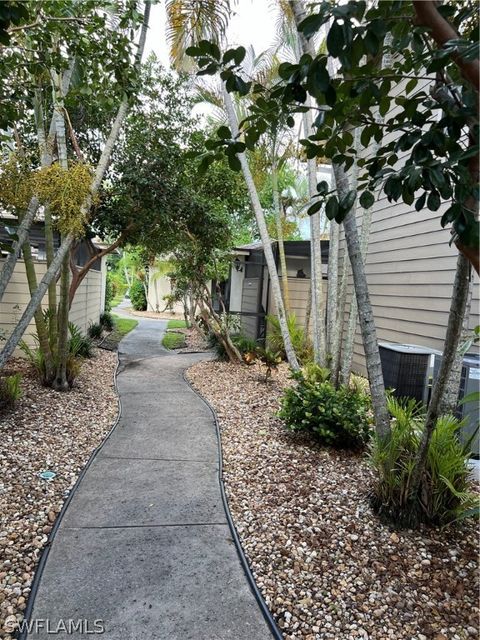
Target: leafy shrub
10,390
337,417
444,494
79,344
301,342
95,330
137,296
106,321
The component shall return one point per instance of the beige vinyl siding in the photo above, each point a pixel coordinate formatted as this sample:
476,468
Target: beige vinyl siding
410,270
298,290
86,307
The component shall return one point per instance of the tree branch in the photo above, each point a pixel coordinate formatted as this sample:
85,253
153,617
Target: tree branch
442,31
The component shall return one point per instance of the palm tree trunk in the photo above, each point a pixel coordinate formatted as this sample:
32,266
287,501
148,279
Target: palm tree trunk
333,325
61,382
22,235
367,322
64,248
347,355
281,244
449,401
266,242
318,310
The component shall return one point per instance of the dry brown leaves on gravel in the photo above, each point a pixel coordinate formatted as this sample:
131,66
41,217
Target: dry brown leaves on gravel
327,567
46,431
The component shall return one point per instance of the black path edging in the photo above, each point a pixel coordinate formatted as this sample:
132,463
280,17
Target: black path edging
267,614
51,536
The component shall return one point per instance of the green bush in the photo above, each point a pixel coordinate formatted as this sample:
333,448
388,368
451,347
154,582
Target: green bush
10,391
301,342
79,344
444,494
95,330
336,417
137,296
106,321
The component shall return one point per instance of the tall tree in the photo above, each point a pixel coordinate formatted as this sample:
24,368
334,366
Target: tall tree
96,181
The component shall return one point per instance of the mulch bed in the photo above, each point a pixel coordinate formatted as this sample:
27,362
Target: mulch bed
327,567
45,431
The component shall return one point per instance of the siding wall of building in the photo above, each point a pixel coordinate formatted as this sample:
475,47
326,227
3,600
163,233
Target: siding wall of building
410,270
86,307
298,291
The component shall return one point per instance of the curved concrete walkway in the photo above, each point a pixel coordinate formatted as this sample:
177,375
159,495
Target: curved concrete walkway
144,547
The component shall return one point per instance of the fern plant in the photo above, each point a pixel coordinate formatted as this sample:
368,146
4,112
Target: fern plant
10,391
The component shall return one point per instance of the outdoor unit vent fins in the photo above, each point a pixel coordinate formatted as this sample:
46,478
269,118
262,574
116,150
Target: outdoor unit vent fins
406,369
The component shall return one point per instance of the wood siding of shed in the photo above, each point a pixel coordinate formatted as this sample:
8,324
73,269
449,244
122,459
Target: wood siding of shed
86,307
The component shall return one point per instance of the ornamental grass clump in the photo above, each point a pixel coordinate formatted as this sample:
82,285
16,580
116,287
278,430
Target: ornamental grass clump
339,418
445,492
10,391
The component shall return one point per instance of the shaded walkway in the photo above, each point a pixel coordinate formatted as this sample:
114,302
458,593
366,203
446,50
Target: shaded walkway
144,546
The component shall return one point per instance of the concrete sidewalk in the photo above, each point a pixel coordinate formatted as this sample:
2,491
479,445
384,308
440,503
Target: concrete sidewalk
144,550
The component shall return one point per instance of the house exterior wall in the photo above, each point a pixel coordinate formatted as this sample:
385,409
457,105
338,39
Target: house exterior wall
158,287
86,308
410,269
236,286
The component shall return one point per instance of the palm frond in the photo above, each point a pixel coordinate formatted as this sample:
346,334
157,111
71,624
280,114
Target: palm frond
189,21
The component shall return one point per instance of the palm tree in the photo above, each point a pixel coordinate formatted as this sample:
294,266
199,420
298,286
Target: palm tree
187,23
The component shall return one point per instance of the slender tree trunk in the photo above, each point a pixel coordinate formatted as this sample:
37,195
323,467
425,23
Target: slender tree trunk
266,242
36,299
449,400
318,308
367,322
61,382
22,236
458,306
281,244
353,315
333,325
308,312
341,303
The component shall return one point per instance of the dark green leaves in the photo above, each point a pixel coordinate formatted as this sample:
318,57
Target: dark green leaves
224,132
335,39
312,24
318,79
367,199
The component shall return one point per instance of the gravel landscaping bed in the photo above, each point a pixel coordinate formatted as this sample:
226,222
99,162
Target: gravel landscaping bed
46,431
327,567
194,341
